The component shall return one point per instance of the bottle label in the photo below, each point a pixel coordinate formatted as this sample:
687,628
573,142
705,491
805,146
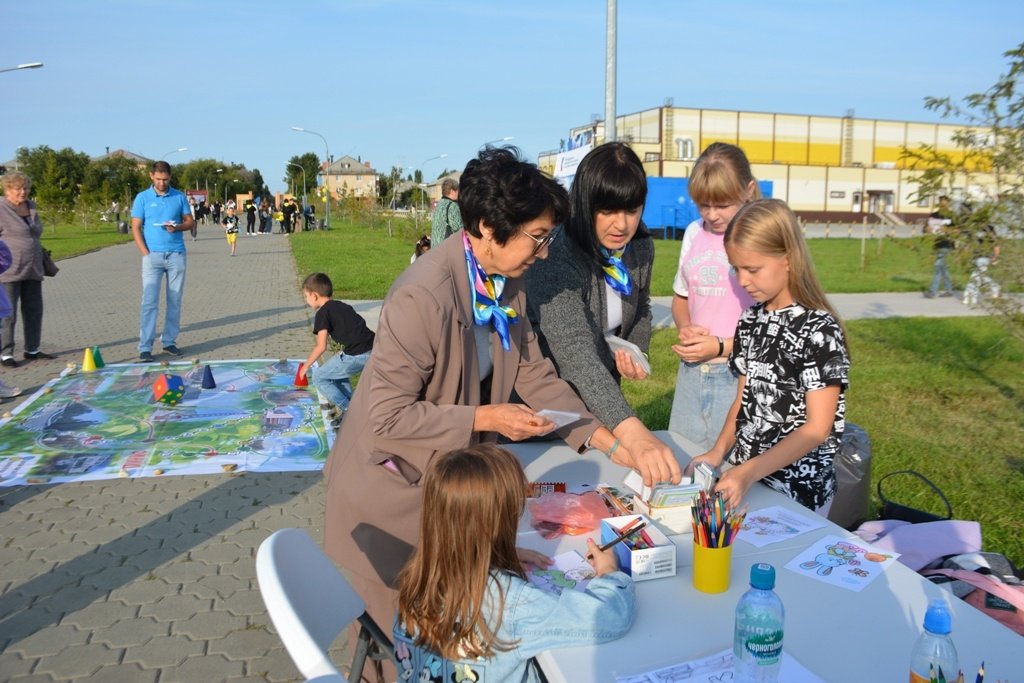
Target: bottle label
766,647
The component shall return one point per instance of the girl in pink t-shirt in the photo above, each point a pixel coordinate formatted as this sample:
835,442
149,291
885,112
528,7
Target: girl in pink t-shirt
708,300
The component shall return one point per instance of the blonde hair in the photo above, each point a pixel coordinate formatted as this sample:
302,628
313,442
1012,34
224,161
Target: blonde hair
13,180
768,226
722,175
472,501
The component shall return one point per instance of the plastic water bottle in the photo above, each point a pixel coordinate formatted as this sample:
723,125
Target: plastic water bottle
757,644
934,648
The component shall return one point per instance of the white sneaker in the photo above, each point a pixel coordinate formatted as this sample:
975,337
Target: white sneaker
7,391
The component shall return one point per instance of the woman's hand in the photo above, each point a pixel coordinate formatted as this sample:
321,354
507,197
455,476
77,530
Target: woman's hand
712,459
512,420
627,367
532,558
603,561
642,451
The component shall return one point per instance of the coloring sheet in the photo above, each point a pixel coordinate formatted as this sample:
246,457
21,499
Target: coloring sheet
851,564
718,669
570,570
776,523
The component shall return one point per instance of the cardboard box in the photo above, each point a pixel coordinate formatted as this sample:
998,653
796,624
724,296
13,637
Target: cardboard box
672,520
646,563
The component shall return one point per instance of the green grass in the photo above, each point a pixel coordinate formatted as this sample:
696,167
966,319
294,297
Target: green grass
943,396
890,265
67,240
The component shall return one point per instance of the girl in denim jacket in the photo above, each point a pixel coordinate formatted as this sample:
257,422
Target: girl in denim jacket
465,608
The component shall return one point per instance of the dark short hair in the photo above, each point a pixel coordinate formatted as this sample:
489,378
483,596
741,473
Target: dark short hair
504,191
160,167
318,283
610,178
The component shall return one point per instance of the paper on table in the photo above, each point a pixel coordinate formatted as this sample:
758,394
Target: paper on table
718,667
569,570
776,523
559,417
616,343
842,562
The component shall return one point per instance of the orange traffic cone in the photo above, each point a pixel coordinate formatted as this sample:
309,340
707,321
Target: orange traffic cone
88,362
300,378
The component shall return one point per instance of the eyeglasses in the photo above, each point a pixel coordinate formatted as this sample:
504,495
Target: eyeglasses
541,242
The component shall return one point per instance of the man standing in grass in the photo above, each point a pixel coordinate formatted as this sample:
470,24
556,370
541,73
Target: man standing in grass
160,216
940,224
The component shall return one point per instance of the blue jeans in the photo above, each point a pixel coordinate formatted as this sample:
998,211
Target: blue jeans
332,378
154,266
704,394
941,278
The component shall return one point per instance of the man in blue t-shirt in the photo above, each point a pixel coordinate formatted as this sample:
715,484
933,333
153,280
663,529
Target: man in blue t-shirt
159,217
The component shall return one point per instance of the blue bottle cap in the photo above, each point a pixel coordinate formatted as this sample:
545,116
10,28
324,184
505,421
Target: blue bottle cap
937,619
762,576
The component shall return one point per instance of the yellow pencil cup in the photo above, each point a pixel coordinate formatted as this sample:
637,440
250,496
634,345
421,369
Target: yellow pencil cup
711,568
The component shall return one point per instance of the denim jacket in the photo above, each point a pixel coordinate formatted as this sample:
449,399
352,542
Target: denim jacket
535,620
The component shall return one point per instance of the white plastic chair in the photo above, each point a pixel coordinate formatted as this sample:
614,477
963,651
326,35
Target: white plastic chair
310,603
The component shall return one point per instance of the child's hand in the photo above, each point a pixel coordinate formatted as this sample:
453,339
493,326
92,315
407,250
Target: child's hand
532,558
734,484
690,331
710,458
603,561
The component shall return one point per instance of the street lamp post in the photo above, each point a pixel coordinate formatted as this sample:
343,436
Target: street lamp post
30,65
327,172
423,184
180,149
507,138
227,186
303,181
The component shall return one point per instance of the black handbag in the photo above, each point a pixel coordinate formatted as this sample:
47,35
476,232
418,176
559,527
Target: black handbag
892,510
49,266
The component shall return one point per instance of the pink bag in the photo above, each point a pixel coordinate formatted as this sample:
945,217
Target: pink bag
554,514
1001,601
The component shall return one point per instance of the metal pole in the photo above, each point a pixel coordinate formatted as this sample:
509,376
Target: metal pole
327,172
609,72
423,184
30,65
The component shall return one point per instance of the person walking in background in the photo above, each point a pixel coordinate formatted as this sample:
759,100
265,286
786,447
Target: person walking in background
787,419
159,217
230,223
250,218
265,223
6,390
940,225
20,229
708,298
288,211
340,322
596,282
447,220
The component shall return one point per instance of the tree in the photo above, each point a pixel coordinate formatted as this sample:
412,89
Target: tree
985,172
56,175
309,162
259,185
110,179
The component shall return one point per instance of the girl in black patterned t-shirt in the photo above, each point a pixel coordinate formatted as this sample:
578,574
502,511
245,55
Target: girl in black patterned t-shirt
790,353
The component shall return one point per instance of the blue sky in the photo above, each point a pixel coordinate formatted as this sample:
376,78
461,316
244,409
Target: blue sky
397,82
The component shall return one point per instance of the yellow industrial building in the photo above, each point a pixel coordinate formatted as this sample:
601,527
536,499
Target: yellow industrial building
825,167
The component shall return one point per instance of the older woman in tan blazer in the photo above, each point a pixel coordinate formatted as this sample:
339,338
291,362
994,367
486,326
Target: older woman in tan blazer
445,362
